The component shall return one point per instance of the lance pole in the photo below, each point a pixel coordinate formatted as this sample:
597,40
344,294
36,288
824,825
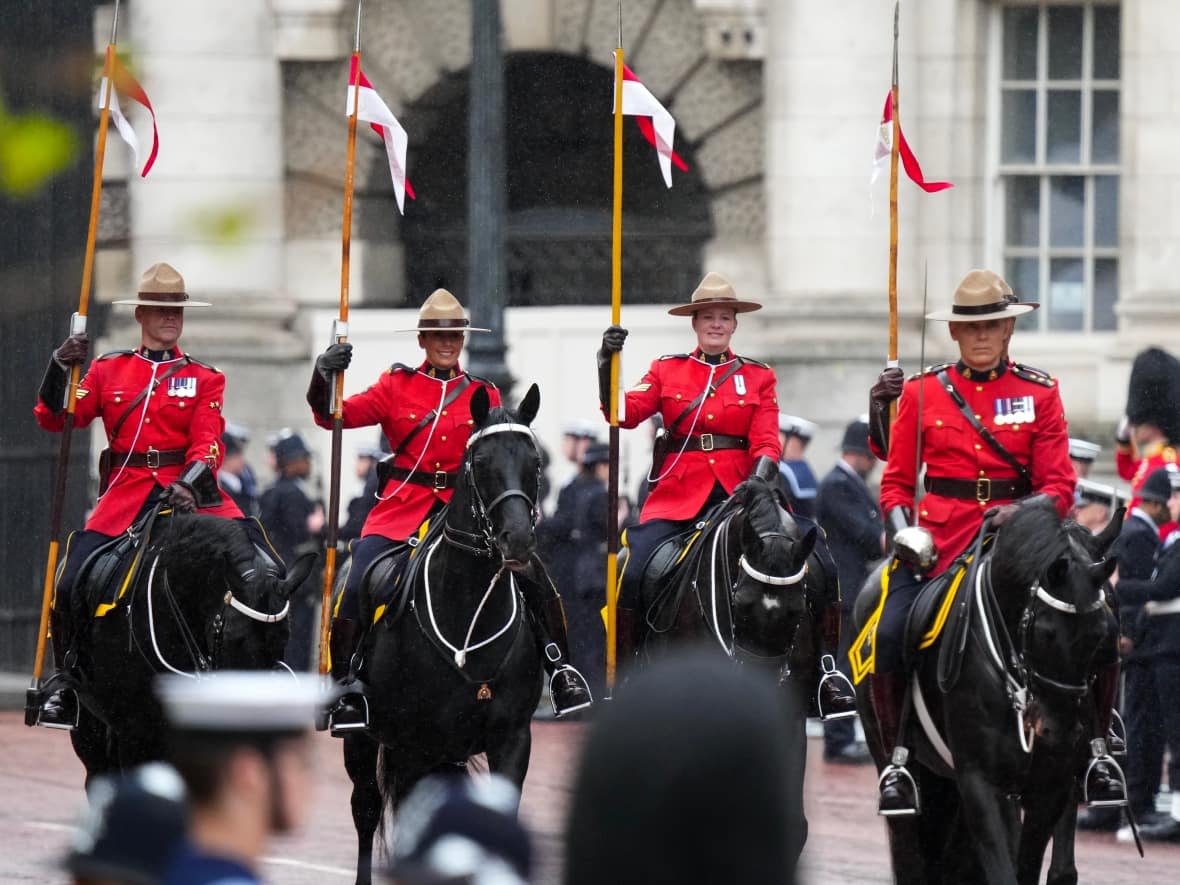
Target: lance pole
340,336
921,390
894,144
77,327
616,301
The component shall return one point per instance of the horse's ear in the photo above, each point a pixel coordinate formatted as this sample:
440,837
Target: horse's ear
479,405
529,405
807,545
1100,572
1058,571
1106,538
298,572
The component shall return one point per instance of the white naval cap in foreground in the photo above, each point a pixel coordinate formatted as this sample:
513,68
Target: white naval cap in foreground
241,701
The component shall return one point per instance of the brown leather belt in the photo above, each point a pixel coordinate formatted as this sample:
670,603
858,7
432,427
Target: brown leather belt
982,489
152,458
706,442
437,480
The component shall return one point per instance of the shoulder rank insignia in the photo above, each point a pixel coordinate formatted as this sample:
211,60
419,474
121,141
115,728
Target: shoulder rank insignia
930,370
1037,376
81,393
749,362
205,365
674,356
642,387
115,353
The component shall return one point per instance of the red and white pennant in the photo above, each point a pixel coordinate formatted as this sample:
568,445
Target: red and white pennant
656,124
377,114
128,87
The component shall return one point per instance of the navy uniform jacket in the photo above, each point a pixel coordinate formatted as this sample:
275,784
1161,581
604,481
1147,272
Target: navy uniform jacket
572,539
191,867
849,517
799,485
284,510
1137,549
1155,636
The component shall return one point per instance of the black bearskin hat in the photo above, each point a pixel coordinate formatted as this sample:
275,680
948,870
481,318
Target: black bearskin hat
1153,396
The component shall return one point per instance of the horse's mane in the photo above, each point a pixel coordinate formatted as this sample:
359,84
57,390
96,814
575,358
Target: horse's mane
218,543
762,510
1026,543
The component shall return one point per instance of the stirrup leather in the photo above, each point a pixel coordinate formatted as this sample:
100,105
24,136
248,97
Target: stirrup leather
830,673
897,767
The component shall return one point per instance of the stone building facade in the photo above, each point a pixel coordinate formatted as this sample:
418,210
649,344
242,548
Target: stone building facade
1057,122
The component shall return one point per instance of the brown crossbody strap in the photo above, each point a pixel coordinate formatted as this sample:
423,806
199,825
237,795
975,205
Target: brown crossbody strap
180,364
988,436
738,362
386,463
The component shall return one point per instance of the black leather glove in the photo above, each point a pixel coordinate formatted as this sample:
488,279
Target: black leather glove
882,395
181,497
765,469
612,342
335,359
1000,514
73,351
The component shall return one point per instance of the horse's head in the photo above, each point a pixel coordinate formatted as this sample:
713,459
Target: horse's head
501,476
252,628
1049,578
768,591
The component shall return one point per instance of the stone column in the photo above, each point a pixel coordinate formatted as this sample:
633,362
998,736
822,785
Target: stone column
213,204
1149,222
487,281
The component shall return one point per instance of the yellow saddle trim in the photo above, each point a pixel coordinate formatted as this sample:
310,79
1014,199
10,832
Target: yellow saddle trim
862,654
944,609
104,608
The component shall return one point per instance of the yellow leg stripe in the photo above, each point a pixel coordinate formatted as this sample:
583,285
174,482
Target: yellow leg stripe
944,610
862,661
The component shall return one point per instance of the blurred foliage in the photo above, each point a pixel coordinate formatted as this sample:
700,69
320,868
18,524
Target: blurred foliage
33,148
224,225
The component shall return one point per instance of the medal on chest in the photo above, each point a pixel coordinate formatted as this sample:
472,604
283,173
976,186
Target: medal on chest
182,387
1015,410
739,384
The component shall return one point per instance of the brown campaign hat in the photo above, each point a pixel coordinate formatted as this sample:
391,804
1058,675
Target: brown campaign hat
442,312
983,295
714,291
162,286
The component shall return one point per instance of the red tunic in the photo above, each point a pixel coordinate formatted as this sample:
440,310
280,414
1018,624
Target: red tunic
952,449
183,412
398,401
745,405
1136,470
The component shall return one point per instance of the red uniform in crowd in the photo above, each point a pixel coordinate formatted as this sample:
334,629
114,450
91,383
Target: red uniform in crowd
1022,409
746,405
1136,469
181,414
398,401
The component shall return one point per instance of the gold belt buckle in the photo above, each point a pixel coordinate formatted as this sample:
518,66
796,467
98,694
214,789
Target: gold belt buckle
153,458
706,442
983,490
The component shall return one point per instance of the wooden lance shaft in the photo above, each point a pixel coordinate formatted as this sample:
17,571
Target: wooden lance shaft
339,336
894,145
77,327
616,301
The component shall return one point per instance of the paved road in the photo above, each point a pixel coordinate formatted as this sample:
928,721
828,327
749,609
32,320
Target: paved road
41,786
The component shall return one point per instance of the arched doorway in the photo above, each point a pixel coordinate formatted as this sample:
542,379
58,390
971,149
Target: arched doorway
559,133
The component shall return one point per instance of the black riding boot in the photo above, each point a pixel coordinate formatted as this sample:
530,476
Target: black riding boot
60,709
835,696
896,786
1104,785
351,710
568,689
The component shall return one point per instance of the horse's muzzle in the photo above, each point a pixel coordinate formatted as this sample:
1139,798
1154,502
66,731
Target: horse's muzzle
516,565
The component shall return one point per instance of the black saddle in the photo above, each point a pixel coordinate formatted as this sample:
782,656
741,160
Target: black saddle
101,576
383,584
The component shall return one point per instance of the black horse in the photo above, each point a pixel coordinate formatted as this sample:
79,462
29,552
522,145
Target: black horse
754,586
202,598
997,751
457,672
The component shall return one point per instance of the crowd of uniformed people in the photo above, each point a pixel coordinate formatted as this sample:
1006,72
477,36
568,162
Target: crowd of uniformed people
990,433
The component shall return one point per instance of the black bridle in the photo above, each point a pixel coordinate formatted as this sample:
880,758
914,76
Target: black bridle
482,542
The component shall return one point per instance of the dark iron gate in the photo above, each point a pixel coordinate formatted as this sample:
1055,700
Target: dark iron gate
46,67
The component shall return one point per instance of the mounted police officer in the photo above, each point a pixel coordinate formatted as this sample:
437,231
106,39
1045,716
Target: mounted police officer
992,432
161,410
720,414
425,413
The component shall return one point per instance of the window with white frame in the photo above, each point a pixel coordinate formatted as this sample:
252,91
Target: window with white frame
1059,161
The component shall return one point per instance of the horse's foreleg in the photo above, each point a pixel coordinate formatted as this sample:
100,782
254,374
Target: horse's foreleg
992,820
360,760
510,755
1063,869
92,745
